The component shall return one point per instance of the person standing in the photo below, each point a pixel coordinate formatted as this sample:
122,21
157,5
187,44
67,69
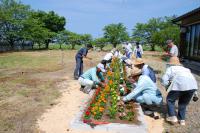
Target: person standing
82,53
181,85
173,49
128,49
138,50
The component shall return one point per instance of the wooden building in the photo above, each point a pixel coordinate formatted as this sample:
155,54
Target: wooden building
190,35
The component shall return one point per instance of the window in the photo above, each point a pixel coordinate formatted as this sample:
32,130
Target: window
193,41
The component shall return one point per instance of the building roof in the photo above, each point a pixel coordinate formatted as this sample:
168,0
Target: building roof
186,15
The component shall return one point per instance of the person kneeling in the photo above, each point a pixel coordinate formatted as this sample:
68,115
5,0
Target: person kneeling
145,92
92,77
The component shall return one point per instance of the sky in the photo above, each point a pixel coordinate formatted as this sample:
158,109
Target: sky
90,16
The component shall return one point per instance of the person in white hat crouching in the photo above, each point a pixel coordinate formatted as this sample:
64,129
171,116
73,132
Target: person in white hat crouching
92,77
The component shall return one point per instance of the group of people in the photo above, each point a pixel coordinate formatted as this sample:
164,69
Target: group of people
129,51
178,80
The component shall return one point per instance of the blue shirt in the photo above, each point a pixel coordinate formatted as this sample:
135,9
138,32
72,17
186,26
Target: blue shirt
82,52
91,74
144,85
149,72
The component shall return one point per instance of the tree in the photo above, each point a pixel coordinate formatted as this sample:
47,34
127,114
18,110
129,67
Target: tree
156,31
85,39
52,21
100,42
13,15
115,33
172,32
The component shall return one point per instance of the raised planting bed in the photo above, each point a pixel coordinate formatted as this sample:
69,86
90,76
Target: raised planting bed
106,105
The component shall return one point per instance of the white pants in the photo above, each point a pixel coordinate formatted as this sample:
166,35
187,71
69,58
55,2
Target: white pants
87,83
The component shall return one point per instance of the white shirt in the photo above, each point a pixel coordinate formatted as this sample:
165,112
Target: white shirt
181,77
108,56
129,48
140,49
174,51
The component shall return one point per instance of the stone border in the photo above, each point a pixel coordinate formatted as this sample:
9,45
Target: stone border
77,123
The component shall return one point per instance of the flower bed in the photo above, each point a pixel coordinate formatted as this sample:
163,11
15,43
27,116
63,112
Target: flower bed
106,105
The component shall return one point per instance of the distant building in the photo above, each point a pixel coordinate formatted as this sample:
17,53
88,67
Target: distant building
190,35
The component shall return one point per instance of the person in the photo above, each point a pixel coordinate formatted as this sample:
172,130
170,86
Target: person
92,77
173,49
82,53
108,57
145,92
138,50
181,85
128,49
146,69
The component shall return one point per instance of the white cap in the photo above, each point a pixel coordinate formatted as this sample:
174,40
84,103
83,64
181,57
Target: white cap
108,56
101,66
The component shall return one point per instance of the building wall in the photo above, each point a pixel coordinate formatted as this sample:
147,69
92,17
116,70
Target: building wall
190,40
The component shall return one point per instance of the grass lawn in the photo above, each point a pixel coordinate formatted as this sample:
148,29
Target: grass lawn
30,83
23,98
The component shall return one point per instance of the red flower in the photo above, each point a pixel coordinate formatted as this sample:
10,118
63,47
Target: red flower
87,113
89,108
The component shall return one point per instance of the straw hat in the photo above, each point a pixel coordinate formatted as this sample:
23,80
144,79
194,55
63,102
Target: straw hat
138,61
174,61
135,72
133,57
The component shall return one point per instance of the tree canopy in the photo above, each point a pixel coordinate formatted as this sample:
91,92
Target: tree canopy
115,33
156,31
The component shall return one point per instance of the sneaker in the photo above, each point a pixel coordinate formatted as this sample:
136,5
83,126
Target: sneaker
156,115
182,122
82,88
172,120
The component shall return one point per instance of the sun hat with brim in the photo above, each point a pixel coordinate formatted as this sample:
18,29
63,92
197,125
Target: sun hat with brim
101,67
174,61
138,61
136,72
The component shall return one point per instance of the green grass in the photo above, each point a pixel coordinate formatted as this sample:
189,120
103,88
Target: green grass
23,97
63,47
148,48
30,60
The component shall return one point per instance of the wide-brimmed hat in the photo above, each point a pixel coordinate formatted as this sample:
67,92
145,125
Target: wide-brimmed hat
101,67
133,57
138,61
136,71
174,61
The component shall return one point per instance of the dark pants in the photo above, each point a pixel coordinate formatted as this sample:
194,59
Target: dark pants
139,55
79,68
183,98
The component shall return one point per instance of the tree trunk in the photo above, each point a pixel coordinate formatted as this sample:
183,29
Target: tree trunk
22,45
73,46
114,45
11,44
152,47
47,44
